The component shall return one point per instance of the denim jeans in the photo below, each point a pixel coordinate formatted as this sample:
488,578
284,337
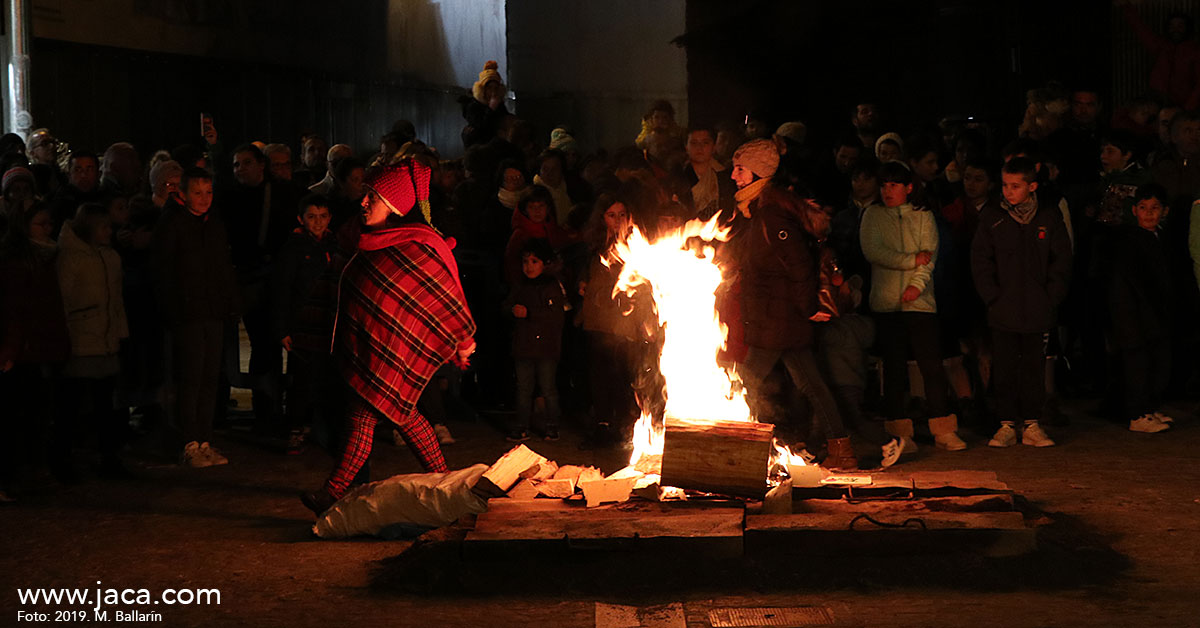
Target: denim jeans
544,369
806,377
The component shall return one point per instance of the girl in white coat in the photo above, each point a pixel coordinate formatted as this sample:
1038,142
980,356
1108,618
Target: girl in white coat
901,242
89,275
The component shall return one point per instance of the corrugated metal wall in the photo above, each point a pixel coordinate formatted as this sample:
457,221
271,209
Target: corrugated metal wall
91,96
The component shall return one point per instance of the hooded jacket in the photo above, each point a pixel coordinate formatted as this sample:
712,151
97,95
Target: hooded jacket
891,239
90,279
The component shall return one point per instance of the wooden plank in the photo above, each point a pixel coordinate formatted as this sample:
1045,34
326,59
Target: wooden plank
524,490
559,489
631,520
843,521
724,457
991,502
608,490
502,475
516,508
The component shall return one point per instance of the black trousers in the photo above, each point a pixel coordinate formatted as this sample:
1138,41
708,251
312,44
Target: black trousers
27,395
1019,374
612,372
86,404
1147,371
266,354
197,362
802,369
898,334
315,392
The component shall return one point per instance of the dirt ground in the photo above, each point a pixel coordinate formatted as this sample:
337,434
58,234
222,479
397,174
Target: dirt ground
1118,514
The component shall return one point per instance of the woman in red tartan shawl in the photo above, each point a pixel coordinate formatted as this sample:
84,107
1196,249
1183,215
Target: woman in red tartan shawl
401,315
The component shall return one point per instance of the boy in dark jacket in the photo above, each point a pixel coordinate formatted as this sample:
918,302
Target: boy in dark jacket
538,303
1021,262
1140,298
197,290
305,303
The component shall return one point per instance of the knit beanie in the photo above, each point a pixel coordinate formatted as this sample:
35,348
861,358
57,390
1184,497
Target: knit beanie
760,156
561,139
395,185
889,137
794,131
491,72
14,174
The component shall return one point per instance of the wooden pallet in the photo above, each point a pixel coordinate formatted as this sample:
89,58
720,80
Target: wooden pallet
913,513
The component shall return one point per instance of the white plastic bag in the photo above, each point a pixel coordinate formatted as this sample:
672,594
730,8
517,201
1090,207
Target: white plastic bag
404,502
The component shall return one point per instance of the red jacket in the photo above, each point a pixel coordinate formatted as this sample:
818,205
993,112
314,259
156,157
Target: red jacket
401,316
525,230
1176,72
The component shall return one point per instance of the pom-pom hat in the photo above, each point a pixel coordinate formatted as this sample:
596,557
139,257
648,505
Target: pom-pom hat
490,73
401,186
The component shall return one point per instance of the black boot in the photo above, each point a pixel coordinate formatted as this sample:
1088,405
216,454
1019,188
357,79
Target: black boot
318,501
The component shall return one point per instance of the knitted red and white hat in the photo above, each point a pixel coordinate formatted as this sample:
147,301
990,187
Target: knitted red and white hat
401,185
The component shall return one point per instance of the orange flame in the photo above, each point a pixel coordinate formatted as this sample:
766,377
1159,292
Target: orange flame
683,281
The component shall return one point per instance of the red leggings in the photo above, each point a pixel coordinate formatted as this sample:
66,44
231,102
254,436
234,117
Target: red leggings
417,433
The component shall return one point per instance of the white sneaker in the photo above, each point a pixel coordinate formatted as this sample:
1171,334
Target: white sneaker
215,457
1162,418
443,434
1034,436
1147,423
1006,436
193,457
891,453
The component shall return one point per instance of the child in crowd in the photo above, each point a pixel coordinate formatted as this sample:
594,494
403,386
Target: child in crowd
197,290
538,303
844,236
305,301
532,219
89,275
978,184
33,342
1021,262
901,243
610,333
1140,297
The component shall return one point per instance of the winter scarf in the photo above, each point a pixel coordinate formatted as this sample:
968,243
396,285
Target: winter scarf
511,199
401,316
746,195
1024,212
707,188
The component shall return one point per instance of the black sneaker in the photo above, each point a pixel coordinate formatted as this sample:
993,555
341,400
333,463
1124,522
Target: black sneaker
517,436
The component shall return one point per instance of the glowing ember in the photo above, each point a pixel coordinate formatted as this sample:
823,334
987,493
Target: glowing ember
683,281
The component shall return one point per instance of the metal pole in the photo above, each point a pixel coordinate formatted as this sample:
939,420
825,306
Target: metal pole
20,121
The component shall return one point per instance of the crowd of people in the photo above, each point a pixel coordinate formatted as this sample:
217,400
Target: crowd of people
960,277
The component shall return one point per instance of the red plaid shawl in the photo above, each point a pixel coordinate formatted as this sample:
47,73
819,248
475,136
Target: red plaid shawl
401,315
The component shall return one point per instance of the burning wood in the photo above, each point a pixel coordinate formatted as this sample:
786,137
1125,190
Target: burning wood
728,457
